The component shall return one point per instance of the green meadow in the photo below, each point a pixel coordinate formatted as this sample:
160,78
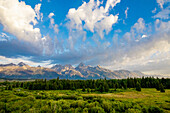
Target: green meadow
148,100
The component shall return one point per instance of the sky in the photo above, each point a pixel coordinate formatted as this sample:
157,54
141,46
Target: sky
116,34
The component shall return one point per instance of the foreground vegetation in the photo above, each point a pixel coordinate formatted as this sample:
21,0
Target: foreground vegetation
149,100
103,96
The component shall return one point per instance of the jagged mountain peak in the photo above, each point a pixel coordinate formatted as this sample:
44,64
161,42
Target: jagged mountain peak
61,66
81,65
68,65
138,72
98,66
22,64
65,71
10,64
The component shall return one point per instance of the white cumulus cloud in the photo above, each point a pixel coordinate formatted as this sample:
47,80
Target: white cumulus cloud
19,20
140,25
50,15
94,16
16,18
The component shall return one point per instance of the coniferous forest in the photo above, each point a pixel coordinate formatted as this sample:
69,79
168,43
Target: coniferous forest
101,85
146,94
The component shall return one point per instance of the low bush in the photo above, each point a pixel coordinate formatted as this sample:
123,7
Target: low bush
96,110
154,109
22,94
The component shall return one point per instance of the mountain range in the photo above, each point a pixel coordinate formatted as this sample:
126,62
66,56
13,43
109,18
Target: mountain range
82,71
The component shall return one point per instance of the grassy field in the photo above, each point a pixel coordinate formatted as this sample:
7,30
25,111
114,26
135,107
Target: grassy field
148,97
130,101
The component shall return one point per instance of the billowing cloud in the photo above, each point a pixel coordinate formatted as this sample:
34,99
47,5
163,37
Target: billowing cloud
149,54
16,18
139,26
111,3
95,17
19,20
52,23
56,30
164,14
136,32
105,25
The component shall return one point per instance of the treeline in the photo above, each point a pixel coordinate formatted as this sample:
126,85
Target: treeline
101,85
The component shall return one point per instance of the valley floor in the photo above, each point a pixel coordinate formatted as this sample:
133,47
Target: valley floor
64,101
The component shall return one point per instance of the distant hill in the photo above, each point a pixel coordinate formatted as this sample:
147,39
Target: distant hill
24,71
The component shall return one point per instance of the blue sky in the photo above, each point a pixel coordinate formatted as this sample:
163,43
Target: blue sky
116,34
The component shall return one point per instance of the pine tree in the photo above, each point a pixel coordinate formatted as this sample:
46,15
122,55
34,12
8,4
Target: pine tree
6,88
22,85
54,87
157,85
138,87
83,89
61,86
106,87
88,90
117,86
101,88
124,85
31,86
57,78
73,88
162,88
17,84
47,86
9,87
